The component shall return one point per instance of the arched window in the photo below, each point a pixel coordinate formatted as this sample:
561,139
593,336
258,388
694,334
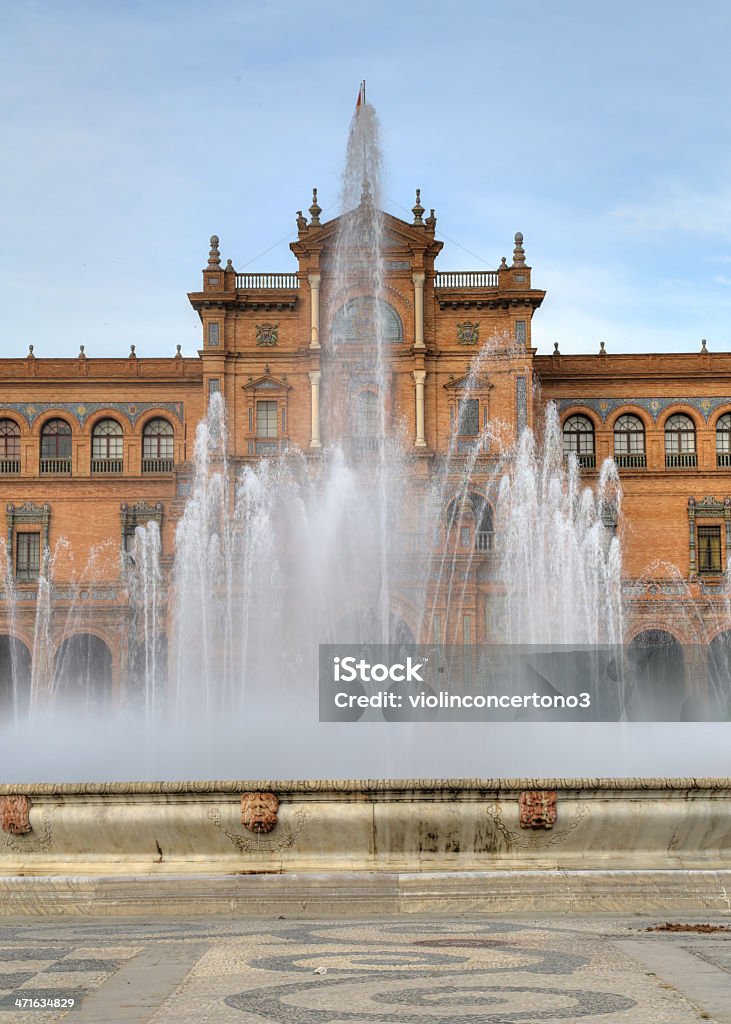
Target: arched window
107,447
472,512
157,447
723,440
484,532
578,437
56,447
9,446
629,442
364,320
680,450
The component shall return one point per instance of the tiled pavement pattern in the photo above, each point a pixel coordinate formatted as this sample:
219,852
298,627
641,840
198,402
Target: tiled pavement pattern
408,970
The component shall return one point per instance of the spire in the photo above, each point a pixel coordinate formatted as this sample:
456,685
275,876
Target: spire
360,102
315,210
214,256
518,251
418,209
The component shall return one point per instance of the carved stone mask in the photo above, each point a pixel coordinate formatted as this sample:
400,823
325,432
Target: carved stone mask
259,811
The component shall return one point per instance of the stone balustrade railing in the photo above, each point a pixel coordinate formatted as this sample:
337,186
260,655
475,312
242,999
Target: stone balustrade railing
252,282
466,279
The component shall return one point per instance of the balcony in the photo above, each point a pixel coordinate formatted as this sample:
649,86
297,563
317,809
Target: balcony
269,282
367,445
106,467
681,460
467,279
484,540
723,460
55,467
631,460
157,465
9,466
586,460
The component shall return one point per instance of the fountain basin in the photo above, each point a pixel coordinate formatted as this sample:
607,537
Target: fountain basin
372,845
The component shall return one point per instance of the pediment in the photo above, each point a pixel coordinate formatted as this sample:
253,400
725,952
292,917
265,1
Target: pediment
398,236
266,383
469,383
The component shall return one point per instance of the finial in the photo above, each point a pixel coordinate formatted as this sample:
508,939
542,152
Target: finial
703,345
366,197
518,251
301,222
418,209
81,352
266,369
431,222
178,352
214,256
555,349
315,210
503,264
230,267
132,351
602,349
30,352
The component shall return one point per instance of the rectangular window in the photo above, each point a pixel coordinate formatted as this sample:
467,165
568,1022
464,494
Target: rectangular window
467,629
28,556
214,386
266,419
709,549
520,332
214,334
469,417
437,629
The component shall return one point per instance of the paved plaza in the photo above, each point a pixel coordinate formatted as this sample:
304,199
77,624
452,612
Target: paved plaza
398,970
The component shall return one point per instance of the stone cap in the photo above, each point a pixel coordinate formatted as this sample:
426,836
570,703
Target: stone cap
375,786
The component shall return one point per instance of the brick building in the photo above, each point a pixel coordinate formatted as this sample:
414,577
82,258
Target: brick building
91,448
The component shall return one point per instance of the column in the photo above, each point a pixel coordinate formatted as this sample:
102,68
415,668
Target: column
419,277
419,378
315,310
315,409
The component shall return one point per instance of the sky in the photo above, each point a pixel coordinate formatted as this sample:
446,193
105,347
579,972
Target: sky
130,132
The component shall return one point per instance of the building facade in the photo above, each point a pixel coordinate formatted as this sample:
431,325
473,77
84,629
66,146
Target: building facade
91,448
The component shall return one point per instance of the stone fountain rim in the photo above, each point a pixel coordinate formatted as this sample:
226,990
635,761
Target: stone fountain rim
362,786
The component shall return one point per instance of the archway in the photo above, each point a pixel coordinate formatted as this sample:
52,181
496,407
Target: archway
83,671
655,685
147,673
15,678
719,676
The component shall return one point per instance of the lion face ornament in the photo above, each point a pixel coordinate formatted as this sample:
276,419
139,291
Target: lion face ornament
259,811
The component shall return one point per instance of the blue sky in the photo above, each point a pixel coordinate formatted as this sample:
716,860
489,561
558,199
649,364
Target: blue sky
133,131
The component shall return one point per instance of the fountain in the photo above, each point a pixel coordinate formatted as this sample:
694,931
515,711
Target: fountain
359,546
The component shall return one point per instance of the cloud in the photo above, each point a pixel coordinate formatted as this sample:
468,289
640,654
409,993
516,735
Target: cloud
675,206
